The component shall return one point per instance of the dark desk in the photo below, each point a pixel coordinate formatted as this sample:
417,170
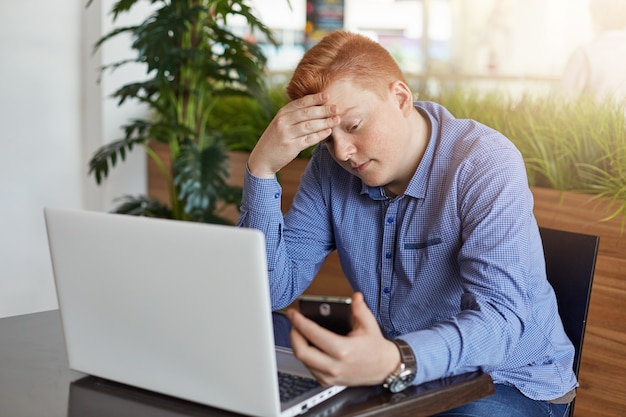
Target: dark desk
35,382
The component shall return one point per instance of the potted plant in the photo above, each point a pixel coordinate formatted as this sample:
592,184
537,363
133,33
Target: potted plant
193,59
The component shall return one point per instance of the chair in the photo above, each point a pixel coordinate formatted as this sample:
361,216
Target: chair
570,264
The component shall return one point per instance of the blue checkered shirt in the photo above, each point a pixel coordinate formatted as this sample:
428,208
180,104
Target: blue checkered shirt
454,266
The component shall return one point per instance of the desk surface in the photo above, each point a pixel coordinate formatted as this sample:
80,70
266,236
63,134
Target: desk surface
35,381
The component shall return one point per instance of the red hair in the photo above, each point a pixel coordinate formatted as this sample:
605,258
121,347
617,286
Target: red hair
344,55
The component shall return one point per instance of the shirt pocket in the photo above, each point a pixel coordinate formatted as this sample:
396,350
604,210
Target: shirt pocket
421,255
422,244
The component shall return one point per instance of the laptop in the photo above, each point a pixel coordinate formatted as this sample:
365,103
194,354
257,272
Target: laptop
178,308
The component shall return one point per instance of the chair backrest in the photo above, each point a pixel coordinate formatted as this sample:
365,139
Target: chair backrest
570,264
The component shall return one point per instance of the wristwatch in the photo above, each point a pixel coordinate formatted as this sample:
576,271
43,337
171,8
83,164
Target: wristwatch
402,377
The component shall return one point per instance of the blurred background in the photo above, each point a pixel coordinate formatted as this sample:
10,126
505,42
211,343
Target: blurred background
510,43
55,110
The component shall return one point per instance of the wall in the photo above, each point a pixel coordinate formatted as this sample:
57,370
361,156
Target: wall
52,116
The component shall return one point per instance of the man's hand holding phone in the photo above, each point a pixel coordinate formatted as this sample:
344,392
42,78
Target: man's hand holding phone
362,357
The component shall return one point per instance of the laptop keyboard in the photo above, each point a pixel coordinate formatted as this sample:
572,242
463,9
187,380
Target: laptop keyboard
291,386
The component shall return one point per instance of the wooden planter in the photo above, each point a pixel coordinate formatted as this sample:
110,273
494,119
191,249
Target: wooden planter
603,367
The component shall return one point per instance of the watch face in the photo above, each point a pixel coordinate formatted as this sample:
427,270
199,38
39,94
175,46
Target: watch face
403,381
397,386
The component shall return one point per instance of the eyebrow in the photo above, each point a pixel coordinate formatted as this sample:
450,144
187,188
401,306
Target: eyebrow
342,113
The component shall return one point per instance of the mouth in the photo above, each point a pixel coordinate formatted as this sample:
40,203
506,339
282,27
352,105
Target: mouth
360,167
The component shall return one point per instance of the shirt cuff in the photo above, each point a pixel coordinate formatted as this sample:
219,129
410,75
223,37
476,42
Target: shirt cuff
261,194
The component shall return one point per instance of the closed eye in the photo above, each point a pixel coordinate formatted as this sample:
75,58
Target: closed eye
354,127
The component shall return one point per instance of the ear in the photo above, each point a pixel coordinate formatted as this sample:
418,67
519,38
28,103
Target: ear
402,95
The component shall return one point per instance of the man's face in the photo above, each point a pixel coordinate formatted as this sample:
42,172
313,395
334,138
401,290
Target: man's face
372,139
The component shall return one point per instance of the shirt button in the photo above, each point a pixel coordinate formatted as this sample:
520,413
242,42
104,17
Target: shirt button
388,255
389,219
277,195
386,290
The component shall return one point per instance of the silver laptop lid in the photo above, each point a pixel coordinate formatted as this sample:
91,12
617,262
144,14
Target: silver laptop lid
175,307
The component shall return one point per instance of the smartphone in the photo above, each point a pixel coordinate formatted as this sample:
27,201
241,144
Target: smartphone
331,312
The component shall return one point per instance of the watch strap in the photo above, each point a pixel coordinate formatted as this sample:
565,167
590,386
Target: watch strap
407,357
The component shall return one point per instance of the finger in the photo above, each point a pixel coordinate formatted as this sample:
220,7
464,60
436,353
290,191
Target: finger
317,114
314,138
309,100
319,337
333,346
307,327
307,125
315,127
307,108
307,353
314,131
311,107
298,341
317,361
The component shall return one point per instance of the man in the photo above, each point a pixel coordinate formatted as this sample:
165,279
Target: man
432,219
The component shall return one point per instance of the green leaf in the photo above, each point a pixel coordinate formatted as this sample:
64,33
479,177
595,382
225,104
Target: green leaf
200,176
142,206
105,158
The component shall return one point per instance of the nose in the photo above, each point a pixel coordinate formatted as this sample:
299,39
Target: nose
343,146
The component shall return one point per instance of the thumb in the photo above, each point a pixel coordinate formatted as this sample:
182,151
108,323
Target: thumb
363,318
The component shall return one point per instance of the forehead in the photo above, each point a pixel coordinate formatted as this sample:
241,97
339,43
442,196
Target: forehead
348,95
